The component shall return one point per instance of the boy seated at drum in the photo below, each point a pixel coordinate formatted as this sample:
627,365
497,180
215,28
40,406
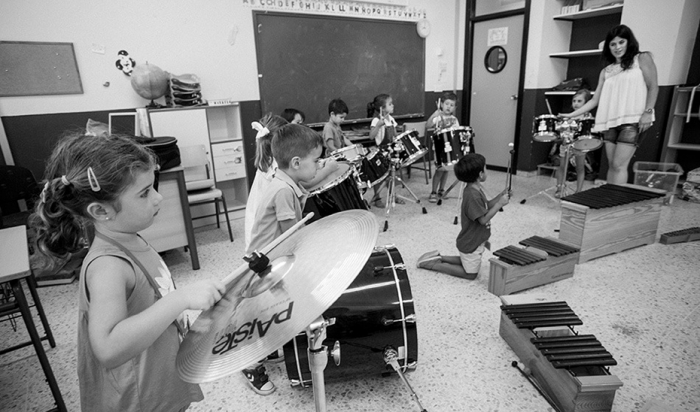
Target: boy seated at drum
297,150
567,135
442,118
333,136
475,215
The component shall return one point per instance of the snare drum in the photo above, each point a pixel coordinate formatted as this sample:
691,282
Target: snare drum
336,193
452,143
352,154
373,169
409,147
375,313
585,140
544,128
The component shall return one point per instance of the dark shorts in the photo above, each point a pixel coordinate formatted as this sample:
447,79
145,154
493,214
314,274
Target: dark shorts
625,133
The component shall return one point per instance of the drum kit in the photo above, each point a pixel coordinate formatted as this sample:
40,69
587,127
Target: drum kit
367,168
353,303
576,134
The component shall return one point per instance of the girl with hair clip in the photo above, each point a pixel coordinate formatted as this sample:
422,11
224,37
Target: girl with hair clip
382,131
130,314
625,97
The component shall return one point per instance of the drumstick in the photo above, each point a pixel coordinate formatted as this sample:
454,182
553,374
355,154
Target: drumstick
548,106
266,249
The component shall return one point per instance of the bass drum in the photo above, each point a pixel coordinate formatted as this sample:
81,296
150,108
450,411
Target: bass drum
375,313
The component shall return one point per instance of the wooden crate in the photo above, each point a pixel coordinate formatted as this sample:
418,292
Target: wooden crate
600,232
505,278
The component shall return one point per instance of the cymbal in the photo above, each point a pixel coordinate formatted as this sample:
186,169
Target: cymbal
311,268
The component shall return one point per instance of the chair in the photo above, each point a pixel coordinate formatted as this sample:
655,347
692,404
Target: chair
427,167
201,187
18,191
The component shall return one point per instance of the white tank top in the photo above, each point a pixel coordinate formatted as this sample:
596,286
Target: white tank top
623,97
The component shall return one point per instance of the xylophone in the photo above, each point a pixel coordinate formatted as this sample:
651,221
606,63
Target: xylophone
570,369
610,218
542,261
690,234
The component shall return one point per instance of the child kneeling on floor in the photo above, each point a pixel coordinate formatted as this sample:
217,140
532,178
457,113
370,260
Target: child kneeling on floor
475,215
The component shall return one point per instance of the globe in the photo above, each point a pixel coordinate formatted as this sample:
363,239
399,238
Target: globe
149,81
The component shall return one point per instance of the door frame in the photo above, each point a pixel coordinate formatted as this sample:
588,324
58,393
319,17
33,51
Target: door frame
469,59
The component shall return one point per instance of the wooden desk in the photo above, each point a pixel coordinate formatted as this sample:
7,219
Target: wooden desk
172,227
14,256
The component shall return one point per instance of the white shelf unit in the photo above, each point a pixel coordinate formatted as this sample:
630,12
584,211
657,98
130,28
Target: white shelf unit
219,129
562,93
676,124
584,14
577,53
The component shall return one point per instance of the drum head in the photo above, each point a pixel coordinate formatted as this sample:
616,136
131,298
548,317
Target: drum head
332,179
545,137
585,144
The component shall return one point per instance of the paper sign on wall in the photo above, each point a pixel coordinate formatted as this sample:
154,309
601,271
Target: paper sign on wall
498,36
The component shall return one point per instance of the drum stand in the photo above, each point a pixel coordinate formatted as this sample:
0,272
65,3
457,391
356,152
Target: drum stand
391,357
391,191
562,188
317,353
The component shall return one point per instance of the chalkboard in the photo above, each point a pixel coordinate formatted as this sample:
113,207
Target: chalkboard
305,61
38,68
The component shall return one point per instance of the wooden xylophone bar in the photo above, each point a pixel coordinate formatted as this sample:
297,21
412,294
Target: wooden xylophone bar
570,370
610,218
552,247
541,261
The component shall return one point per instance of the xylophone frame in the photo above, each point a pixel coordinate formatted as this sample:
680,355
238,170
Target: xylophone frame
570,393
601,232
505,278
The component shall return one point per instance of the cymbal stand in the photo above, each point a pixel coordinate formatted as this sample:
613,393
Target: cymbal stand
317,353
562,188
391,191
391,357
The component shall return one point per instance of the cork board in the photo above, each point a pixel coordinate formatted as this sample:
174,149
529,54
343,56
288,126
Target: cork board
38,68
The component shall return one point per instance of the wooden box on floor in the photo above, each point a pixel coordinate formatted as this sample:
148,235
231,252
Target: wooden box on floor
505,278
593,392
600,232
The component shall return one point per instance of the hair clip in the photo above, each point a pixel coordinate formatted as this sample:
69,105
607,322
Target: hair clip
262,130
65,181
43,192
94,184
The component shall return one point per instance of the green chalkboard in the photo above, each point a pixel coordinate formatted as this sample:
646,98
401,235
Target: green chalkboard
38,68
305,61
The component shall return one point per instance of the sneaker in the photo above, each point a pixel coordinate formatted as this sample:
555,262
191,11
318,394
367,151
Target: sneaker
275,357
433,197
399,201
259,381
441,193
431,256
379,203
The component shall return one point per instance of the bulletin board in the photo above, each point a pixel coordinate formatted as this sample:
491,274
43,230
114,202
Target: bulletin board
305,61
38,68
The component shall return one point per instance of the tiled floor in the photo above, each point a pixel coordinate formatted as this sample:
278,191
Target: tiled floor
643,305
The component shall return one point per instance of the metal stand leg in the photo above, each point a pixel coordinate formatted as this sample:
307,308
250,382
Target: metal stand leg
562,189
391,358
392,195
318,359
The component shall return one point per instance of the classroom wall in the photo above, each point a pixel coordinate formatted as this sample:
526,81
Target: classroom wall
211,38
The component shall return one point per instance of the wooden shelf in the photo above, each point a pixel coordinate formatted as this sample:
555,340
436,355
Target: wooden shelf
684,146
577,53
562,93
601,11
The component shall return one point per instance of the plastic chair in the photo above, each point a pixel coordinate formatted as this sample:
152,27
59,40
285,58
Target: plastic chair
201,187
18,191
427,167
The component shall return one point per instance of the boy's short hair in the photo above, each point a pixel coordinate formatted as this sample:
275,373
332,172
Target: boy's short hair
469,167
586,94
337,106
448,96
294,140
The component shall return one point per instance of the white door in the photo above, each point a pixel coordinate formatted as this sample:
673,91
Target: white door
495,93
